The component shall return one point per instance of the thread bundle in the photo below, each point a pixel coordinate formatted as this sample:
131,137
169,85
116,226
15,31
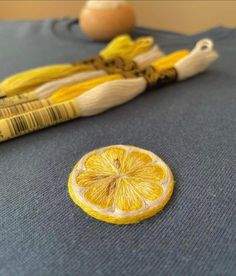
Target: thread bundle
142,51
112,93
69,92
122,46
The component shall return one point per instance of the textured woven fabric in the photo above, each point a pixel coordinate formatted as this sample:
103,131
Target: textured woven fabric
190,124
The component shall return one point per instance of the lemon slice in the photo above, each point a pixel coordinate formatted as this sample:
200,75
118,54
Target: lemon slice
121,184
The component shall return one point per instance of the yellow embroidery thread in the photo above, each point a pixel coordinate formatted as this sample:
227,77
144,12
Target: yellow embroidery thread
110,94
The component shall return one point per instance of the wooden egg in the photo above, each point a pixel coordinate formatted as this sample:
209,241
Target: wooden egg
103,20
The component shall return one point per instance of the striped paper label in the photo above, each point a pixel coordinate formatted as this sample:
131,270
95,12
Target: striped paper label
22,108
18,99
38,119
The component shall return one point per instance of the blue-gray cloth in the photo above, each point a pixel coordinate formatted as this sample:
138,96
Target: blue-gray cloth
190,124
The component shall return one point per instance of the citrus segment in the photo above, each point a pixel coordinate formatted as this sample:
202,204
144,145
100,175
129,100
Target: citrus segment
127,199
135,160
148,173
148,190
88,178
102,193
97,163
115,156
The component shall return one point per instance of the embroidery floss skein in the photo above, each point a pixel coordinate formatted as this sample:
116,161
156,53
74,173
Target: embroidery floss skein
70,92
100,98
44,91
142,61
109,94
28,80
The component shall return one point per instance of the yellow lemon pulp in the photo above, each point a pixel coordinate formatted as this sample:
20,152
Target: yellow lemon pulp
121,184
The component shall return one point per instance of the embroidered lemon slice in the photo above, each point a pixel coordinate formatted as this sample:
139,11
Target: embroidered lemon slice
121,184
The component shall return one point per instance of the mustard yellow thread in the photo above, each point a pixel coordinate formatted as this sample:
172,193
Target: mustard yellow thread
72,91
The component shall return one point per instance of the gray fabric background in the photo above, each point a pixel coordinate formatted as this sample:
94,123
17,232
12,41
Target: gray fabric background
191,125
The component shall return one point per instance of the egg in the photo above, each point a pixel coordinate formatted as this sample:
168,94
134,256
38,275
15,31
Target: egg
103,20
